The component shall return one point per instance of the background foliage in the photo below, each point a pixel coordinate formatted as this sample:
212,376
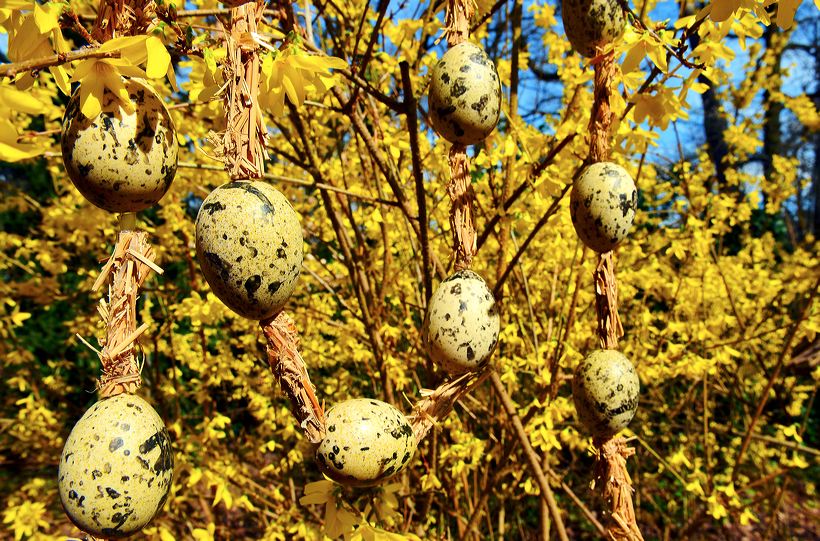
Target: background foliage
717,282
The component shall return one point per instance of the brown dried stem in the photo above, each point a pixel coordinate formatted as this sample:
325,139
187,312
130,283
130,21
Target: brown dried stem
462,196
242,144
128,268
612,479
291,373
36,64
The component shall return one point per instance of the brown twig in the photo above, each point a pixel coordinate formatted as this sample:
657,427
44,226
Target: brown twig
532,456
523,248
291,373
764,396
410,109
300,182
36,64
535,172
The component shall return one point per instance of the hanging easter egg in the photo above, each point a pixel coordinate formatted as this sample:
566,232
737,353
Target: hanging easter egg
249,247
465,95
605,390
116,467
590,25
366,441
602,205
462,323
120,161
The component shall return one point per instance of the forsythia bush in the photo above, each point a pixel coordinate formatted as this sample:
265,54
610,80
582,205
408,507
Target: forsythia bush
717,293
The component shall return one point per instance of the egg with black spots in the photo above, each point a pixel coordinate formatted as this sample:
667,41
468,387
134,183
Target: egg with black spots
249,247
462,324
120,161
116,467
465,95
366,441
602,205
605,390
590,25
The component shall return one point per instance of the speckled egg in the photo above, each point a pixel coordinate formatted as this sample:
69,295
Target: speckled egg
116,468
592,24
465,95
605,390
121,162
602,205
249,246
366,441
462,324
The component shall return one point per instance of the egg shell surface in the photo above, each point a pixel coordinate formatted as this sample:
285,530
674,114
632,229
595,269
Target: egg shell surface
116,467
366,441
121,162
592,24
249,247
465,95
605,389
462,323
602,205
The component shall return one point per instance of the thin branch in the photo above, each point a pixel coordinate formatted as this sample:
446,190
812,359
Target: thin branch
300,182
541,223
418,175
764,396
532,456
534,174
36,64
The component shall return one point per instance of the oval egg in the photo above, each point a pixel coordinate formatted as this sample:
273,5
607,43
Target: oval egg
121,162
462,323
605,390
602,205
592,24
465,95
366,441
116,467
249,247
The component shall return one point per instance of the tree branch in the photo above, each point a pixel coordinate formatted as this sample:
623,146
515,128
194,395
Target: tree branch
36,64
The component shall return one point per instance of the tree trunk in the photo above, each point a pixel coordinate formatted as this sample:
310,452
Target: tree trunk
714,124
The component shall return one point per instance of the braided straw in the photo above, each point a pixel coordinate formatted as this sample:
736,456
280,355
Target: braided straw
462,195
242,147
242,144
291,373
128,267
610,474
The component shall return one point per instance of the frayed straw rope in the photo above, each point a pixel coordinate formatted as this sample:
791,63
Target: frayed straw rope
462,195
462,219
610,474
615,488
127,269
291,373
437,404
242,144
